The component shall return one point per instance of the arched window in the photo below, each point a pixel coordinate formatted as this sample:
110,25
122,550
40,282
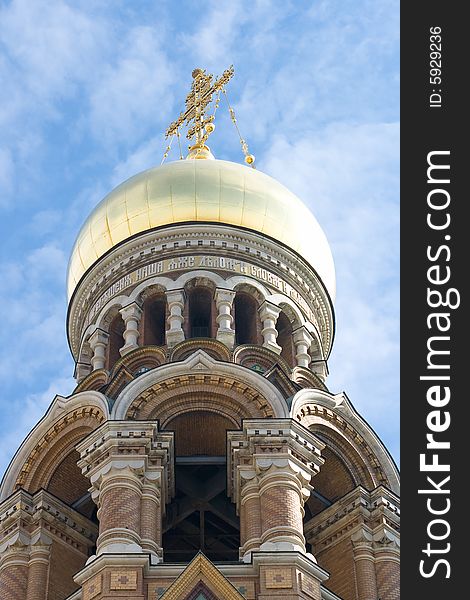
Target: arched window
200,312
116,340
246,319
284,338
201,516
154,321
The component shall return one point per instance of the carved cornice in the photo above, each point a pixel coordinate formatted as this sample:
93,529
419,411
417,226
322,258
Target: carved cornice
218,240
266,446
25,517
134,450
377,511
47,440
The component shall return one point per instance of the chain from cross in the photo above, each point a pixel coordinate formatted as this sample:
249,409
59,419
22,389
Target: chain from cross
200,96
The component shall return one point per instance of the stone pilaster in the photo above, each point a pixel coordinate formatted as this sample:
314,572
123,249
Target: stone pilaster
271,463
224,302
30,526
38,568
131,315
129,465
175,334
14,559
364,565
98,341
387,566
268,314
302,342
81,371
361,533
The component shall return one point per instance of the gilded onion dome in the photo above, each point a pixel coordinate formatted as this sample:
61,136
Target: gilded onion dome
205,191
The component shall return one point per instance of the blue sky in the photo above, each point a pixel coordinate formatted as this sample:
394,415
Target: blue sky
88,88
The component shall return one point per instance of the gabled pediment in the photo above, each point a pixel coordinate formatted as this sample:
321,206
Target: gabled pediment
201,579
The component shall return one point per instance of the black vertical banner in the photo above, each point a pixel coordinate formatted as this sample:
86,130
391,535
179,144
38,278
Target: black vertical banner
435,252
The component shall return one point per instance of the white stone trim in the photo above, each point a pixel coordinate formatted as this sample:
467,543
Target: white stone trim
202,362
59,407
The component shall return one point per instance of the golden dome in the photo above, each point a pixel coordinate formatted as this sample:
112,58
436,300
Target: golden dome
215,191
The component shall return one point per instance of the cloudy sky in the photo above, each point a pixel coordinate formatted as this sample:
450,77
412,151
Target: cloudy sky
88,88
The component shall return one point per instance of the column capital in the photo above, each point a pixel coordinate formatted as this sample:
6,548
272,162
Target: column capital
269,446
99,336
136,449
131,311
224,295
268,310
302,335
178,296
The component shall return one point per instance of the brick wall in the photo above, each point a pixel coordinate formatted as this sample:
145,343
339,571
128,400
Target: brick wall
65,563
388,580
13,582
67,482
339,562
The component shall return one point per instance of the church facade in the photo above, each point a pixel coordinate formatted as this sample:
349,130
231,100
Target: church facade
201,455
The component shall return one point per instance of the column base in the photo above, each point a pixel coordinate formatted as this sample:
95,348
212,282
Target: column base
227,337
174,337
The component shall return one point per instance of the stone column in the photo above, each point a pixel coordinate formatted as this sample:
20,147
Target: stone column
268,314
384,521
250,516
364,566
38,572
387,567
14,571
124,461
175,334
270,466
131,315
320,368
81,371
302,341
98,341
223,302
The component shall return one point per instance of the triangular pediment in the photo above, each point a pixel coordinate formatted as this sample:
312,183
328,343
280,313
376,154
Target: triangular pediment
201,579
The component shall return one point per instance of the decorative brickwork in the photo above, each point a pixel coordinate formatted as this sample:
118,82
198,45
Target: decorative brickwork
278,578
357,538
123,580
271,463
43,544
92,588
130,467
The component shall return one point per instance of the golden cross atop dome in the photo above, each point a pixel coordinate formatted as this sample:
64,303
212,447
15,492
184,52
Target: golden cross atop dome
200,124
197,101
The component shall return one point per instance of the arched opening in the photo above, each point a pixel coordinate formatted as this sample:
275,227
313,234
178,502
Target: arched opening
115,341
154,321
246,319
70,486
284,338
200,312
201,516
332,482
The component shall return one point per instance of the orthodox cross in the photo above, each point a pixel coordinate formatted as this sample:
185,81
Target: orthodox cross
202,89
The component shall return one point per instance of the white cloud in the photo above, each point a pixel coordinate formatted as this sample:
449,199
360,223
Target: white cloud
133,90
6,174
348,175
